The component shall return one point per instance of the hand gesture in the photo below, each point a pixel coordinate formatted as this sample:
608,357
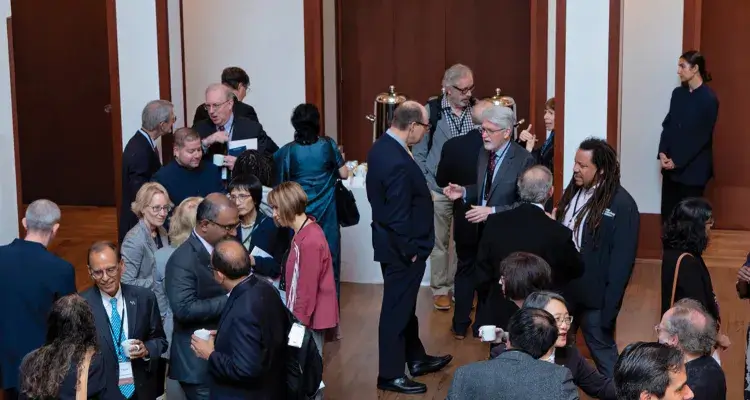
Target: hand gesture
138,350
217,137
229,162
453,191
478,214
744,273
528,137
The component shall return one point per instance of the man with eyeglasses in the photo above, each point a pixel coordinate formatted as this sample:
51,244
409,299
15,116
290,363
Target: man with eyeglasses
123,313
239,83
450,116
224,127
197,300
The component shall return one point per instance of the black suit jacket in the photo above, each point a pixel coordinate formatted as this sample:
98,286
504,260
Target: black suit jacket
31,280
250,346
144,324
457,166
197,301
239,109
402,210
608,259
242,128
139,163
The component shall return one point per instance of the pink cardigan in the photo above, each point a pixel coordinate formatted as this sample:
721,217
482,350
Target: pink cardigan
315,304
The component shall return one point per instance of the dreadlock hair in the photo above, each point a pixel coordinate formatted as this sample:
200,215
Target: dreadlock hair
607,180
253,162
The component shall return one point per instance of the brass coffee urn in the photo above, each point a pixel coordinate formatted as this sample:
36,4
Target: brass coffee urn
507,101
385,104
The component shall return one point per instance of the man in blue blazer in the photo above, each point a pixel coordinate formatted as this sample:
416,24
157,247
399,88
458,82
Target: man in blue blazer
31,280
403,236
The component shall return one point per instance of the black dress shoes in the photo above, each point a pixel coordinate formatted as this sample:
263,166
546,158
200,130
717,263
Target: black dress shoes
428,365
402,385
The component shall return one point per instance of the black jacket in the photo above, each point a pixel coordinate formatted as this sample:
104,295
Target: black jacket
242,128
139,164
197,301
693,281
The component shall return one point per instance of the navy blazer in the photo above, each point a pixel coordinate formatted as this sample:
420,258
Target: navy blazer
139,164
242,128
271,239
144,324
31,280
402,210
249,358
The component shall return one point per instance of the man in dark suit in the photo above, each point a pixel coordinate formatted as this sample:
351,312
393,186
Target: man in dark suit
493,190
402,238
31,280
527,228
604,220
518,373
246,358
140,158
197,300
124,312
239,82
223,126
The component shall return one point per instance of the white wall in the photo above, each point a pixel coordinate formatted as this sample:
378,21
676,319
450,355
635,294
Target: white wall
264,38
586,71
8,204
651,44
138,61
330,85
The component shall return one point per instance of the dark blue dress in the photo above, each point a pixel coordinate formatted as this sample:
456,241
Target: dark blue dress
315,167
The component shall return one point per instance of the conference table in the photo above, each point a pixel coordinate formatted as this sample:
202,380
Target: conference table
357,264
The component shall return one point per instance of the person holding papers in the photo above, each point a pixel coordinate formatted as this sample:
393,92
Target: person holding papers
257,232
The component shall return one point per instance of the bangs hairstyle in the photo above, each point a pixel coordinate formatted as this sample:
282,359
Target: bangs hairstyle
550,104
289,200
182,221
248,183
144,196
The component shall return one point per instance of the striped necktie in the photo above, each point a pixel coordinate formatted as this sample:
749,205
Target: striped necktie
127,389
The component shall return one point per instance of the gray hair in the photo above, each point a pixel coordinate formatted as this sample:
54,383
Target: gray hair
42,215
406,113
501,116
156,112
534,184
541,299
226,90
454,73
693,336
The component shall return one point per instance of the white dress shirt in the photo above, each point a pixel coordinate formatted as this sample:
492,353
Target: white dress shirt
120,309
577,204
208,247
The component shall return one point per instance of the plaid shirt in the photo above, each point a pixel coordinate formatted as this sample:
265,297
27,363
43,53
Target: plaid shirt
459,125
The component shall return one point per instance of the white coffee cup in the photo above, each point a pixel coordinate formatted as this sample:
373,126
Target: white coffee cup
488,333
219,160
204,334
128,346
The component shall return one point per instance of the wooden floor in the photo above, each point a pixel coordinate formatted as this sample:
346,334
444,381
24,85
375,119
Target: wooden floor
351,364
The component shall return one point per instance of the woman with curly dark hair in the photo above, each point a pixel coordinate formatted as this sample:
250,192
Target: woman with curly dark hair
68,360
684,274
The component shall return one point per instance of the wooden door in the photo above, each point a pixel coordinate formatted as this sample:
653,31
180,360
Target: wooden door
62,84
724,35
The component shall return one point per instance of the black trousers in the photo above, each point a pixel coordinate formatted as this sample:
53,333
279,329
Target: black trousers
672,193
398,333
599,340
464,287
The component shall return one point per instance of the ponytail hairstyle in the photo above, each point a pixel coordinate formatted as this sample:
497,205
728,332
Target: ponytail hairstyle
695,58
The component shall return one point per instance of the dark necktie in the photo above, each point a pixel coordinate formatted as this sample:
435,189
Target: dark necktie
221,127
490,172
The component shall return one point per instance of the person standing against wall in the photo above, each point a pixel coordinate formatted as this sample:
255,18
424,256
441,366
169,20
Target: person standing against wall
686,144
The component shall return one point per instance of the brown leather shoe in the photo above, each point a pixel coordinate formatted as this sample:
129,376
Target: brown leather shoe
442,303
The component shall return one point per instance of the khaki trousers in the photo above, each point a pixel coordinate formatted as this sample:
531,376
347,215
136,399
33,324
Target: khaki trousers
443,257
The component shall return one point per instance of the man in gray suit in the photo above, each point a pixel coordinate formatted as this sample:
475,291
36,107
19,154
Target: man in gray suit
197,300
519,373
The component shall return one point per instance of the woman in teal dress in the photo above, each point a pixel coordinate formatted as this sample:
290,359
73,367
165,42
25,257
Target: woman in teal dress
314,162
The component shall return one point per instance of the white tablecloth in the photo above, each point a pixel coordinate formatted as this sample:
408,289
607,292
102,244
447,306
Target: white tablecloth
357,265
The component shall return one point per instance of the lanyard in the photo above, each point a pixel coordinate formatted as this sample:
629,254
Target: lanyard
119,335
250,235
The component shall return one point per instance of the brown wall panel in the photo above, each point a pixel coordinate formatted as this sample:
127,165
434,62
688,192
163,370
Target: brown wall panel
62,87
724,36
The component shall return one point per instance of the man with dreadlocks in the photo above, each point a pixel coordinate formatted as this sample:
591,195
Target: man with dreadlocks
604,219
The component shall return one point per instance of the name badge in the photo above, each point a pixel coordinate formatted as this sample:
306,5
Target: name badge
126,374
296,335
608,213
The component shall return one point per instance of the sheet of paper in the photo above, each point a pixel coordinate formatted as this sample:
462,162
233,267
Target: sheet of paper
258,252
249,144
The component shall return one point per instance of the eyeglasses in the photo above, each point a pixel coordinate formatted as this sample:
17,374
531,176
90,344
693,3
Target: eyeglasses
228,228
492,132
99,274
240,197
158,209
426,126
564,320
208,107
465,90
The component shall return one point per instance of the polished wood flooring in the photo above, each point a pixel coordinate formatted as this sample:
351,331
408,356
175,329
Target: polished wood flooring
351,364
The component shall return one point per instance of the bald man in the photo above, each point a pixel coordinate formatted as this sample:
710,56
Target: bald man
403,236
197,300
688,327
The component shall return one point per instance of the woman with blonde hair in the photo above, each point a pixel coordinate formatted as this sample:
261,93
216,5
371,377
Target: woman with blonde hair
152,206
307,274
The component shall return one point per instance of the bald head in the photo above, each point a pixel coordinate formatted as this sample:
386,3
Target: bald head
478,109
231,259
217,218
224,91
535,185
689,327
408,113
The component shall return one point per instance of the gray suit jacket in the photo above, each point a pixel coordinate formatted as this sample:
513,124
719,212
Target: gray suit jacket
504,192
513,375
137,251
